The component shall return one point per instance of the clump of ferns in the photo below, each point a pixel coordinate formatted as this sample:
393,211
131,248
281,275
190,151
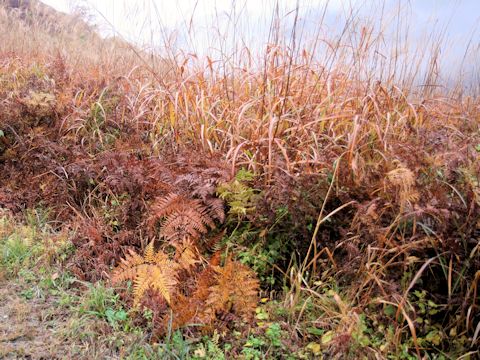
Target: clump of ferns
195,290
181,218
213,292
154,270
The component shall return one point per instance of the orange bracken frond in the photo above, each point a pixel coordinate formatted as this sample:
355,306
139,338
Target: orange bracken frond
154,270
236,290
186,255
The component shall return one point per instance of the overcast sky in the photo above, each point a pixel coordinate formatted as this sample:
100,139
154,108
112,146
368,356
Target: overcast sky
195,25
134,19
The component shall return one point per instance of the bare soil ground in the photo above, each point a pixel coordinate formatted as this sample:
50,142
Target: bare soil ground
29,329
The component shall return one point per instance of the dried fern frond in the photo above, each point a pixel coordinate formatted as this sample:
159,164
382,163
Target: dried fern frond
403,180
186,255
188,223
216,258
204,282
153,270
166,205
149,254
216,209
141,283
163,280
127,268
183,218
214,242
235,290
183,311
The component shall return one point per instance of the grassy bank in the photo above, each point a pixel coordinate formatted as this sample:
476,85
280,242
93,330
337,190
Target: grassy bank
281,208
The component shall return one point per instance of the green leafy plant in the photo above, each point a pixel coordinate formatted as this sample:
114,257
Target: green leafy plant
210,349
102,302
240,197
252,349
274,334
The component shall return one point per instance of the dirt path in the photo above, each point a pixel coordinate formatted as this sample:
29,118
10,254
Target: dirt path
29,329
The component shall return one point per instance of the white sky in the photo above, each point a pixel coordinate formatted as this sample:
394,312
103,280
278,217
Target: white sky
135,18
194,25
142,20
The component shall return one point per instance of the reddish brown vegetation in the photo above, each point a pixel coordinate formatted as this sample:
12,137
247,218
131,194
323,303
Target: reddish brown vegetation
106,192
389,182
